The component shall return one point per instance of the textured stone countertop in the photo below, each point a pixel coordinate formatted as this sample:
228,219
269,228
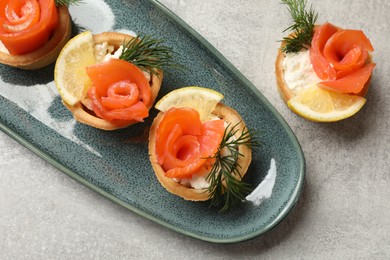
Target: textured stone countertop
343,212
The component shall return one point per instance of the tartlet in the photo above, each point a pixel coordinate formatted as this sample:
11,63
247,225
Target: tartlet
83,112
287,93
322,71
222,111
46,54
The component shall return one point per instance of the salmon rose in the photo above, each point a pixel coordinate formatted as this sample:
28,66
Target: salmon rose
184,143
26,25
341,58
120,92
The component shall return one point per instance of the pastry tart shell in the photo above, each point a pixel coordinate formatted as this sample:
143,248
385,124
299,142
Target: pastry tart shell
188,193
285,92
85,115
48,53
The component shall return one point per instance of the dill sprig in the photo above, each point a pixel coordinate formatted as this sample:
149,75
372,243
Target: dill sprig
303,27
67,2
226,187
148,53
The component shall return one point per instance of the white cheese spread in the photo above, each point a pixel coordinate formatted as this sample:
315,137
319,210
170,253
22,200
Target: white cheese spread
3,48
196,181
298,71
103,52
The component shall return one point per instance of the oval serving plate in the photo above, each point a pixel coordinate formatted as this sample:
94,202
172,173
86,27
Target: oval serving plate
116,164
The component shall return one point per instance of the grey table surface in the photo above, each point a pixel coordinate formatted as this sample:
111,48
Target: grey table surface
344,209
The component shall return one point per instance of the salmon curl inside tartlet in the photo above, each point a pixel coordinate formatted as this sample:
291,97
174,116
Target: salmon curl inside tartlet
119,80
322,71
326,76
208,137
46,52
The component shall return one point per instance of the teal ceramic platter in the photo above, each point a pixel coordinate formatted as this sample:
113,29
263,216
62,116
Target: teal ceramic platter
116,165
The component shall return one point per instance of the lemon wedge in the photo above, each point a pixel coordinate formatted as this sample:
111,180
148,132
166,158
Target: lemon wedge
321,105
204,100
70,76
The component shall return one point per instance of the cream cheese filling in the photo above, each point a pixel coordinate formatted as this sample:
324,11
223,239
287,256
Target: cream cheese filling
3,48
298,71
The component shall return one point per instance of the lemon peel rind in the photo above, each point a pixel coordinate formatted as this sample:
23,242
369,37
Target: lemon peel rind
190,97
334,116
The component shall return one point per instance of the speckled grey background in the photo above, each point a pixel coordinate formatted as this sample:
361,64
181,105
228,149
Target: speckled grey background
343,212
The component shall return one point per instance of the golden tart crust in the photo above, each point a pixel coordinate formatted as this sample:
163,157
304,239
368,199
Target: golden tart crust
285,92
83,113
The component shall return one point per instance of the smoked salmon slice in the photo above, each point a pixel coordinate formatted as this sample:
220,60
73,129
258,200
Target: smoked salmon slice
347,48
119,91
20,15
184,144
339,57
26,25
186,119
321,66
353,82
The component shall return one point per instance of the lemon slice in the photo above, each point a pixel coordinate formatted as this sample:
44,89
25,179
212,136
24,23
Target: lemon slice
320,105
70,76
202,99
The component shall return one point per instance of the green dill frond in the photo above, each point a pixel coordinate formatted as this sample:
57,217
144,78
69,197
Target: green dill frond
225,188
67,2
302,28
148,53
